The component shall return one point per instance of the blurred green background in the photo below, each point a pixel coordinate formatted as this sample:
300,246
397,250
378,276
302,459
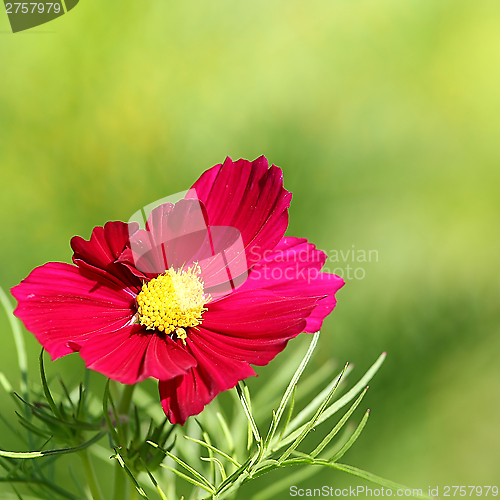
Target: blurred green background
384,116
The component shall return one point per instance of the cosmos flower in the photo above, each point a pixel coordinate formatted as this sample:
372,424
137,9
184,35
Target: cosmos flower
209,287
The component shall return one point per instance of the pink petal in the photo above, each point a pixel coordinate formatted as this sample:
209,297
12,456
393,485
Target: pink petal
166,359
259,313
257,351
99,254
178,236
61,306
247,196
175,236
188,394
241,328
183,396
292,269
133,354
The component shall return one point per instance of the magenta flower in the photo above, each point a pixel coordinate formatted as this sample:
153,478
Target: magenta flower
209,287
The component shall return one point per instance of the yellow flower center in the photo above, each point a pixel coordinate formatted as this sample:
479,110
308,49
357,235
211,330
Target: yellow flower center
173,301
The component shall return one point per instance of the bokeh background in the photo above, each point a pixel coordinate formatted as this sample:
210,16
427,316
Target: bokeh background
384,116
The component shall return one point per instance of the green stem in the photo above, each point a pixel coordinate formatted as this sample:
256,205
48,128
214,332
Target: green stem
124,406
134,494
90,474
120,490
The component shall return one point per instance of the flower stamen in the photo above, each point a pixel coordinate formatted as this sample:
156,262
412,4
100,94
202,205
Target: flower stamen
173,301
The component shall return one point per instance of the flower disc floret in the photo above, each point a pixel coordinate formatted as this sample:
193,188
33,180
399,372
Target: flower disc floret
173,301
